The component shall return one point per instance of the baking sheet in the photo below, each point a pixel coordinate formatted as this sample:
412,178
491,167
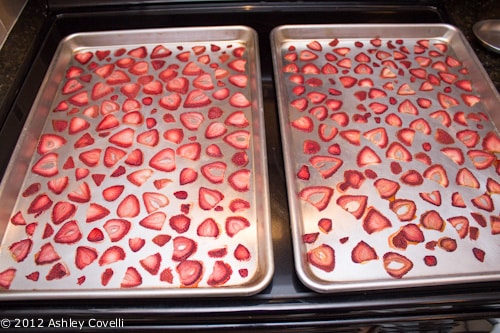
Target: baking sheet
391,145
159,135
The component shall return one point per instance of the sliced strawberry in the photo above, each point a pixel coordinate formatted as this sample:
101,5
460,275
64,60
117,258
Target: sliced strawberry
151,263
117,77
124,138
433,197
366,157
218,253
81,194
20,250
49,142
149,138
69,233
96,212
221,94
352,136
117,229
238,205
386,188
34,276
192,120
190,272
136,243
484,202
352,179
397,265
214,172
405,209
481,159
304,173
240,180
62,211
131,279
100,90
393,120
108,107
239,139
128,207
39,204
85,256
318,196
190,151
208,228
171,102
58,271
221,273
46,166
154,201
363,253
421,125
235,224
59,125
438,174
107,123
95,235
377,136
214,151
79,99
354,204
18,219
196,98
91,157
322,257
47,231
164,160
432,220
153,88
183,248
113,192
375,221
215,130
412,178
454,154
174,135
461,225
491,142
209,198
448,244
139,68
468,137
58,185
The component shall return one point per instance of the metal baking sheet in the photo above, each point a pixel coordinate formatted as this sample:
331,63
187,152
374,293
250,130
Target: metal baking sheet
391,145
141,170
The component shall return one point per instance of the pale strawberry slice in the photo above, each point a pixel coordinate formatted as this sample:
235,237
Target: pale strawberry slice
46,166
139,68
164,160
85,256
239,139
58,185
311,147
58,271
49,142
468,137
81,173
481,159
190,151
363,253
214,172
238,80
318,196
351,136
131,279
95,236
322,257
113,192
354,204
412,178
196,99
367,156
433,197
81,194
214,151
240,180
69,233
215,130
174,135
108,107
180,223
124,138
117,77
20,250
171,102
484,202
327,132
79,99
326,165
30,228
112,156
46,255
133,118
235,224
117,229
432,220
203,82
209,198
62,211
239,100
107,123
491,142
18,219
454,154
208,228
377,136
131,105
221,273
100,90
375,221
128,207
59,125
397,265
221,94
96,212
178,85
84,141
192,120
238,205
154,201
149,138
47,231
136,243
190,272
183,248
90,158
151,263
386,188
397,151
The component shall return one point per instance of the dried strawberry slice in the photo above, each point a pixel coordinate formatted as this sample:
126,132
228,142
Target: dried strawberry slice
492,186
438,174
432,220
214,172
461,225
190,272
123,138
128,207
58,271
189,151
161,239
49,142
448,244
491,142
310,238
481,159
184,247
240,180
117,229
397,265
405,209
84,256
20,250
367,156
46,166
221,273
397,151
386,188
377,136
322,257
468,137
354,204
192,120
479,254
352,179
433,197
196,98
69,233
62,211
209,198
454,154
466,178
375,221
113,192
484,202
208,228
91,157
412,178
164,160
495,225
40,204
151,263
131,279
18,219
326,165
95,235
6,277
239,139
136,243
363,253
235,224
238,205
111,255
46,255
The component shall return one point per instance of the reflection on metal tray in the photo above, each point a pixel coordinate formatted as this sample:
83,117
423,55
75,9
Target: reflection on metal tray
391,154
141,170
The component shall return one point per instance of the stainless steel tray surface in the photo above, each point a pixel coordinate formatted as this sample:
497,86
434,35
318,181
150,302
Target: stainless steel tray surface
391,153
141,170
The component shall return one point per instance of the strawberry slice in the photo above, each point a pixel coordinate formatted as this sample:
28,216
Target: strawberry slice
124,138
203,82
20,250
215,130
397,265
461,225
238,205
214,172
235,224
239,100
18,219
240,180
412,178
131,279
112,156
375,221
164,160
405,209
242,253
354,204
149,138
184,247
59,125
151,263
49,142
303,123
398,152
239,139
46,166
377,136
221,94
481,159
326,165
433,197
153,88
432,220
214,151
218,253
322,257
187,176
386,188
190,151
128,207
117,229
46,255
240,158
107,123
62,211
154,221
139,68
117,77
221,273
106,276
190,272
91,157
180,223
178,85
85,256
454,154
208,228
491,143
171,102
438,174
113,192
209,198
79,99
318,196
238,80
100,90
136,243
154,201
378,108
351,136
95,235
58,185
352,179
96,212
311,147
81,194
58,271
84,141
468,137
196,99
40,204
484,202
363,253
366,157
327,132
192,120
69,233
47,231
174,135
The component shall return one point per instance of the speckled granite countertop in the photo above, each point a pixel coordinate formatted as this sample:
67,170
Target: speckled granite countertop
19,45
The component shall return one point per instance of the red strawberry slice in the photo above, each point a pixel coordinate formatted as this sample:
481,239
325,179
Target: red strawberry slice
412,178
18,219
113,192
377,136
319,112
327,132
454,154
240,180
218,253
492,186
139,68
491,142
215,130
58,271
397,265
432,220
187,176
311,147
131,105
59,125
397,151
46,166
100,90
192,68
238,80
161,239
46,255
136,243
484,202
239,139
438,174
184,247
139,52
117,229
111,255
242,253
117,77
123,138
190,272
448,244
300,104
203,82
366,157
85,256
318,196
47,231
149,138
209,198
352,136
235,224
108,107
447,101
96,212
91,157
221,94
443,117
174,135
154,221
95,235
363,253
105,70
433,197
375,221
481,159
153,88
62,211
20,250
354,204
421,125
240,158
171,102
128,207
180,223
348,81
214,151
84,141
221,273
322,257
151,263
468,137
326,165
443,137
238,205
208,228
69,233
106,276
352,179
303,123
461,225
190,151
112,155
160,51
164,160
154,201
196,99
81,173
49,142
192,120
41,203
215,112
178,85
214,172
405,209
378,108
58,185
386,188
107,123
239,100
84,57
81,194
